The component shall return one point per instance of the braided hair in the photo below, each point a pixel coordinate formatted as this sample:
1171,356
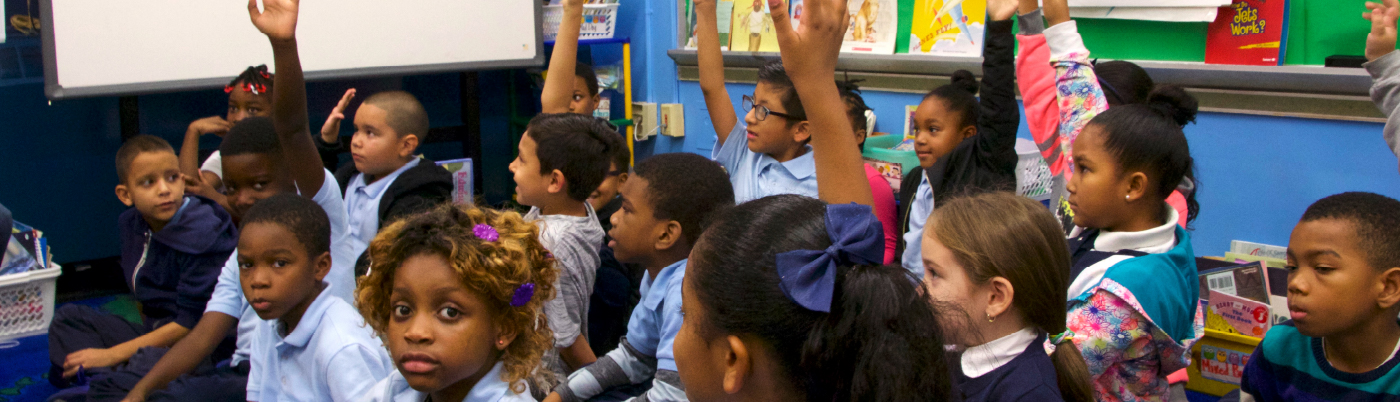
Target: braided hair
255,80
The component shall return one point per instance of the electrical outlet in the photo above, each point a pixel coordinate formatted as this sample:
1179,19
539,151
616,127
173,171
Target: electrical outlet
673,120
645,119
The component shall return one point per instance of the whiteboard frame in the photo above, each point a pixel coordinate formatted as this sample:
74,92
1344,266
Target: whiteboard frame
55,92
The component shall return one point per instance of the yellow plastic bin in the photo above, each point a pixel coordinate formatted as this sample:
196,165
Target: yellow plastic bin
1218,361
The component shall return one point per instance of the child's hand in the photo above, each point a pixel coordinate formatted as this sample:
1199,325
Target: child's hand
573,3
277,20
330,133
811,53
1381,40
135,396
89,358
1001,10
210,125
194,184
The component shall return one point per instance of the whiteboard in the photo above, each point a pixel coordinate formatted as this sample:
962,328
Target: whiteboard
128,47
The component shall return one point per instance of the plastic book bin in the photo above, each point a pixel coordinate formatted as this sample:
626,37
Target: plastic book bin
598,21
26,302
1227,351
878,148
1033,178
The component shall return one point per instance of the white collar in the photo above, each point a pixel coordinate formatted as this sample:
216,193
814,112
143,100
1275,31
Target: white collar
1151,241
982,359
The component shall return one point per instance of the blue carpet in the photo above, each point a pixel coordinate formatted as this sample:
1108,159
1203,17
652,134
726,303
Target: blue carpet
24,362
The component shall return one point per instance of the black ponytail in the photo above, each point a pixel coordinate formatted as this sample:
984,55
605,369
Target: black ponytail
881,341
960,96
1148,138
1123,82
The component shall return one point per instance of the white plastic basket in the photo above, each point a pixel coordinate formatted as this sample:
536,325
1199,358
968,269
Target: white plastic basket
1033,178
599,21
26,302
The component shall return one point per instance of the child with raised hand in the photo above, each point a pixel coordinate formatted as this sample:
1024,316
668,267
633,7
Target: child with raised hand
312,346
1384,66
1343,295
879,187
457,294
249,95
965,146
666,207
1003,257
767,152
173,245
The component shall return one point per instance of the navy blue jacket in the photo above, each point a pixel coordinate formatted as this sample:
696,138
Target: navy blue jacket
1027,377
172,272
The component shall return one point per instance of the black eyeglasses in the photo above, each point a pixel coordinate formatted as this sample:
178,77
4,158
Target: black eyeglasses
761,112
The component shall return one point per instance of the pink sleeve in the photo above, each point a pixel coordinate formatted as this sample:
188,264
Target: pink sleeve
1036,78
884,209
1178,202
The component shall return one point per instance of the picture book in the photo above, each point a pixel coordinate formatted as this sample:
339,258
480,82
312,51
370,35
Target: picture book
724,10
462,179
873,26
1259,249
1249,281
1248,32
948,27
907,144
1234,314
1222,364
751,27
891,171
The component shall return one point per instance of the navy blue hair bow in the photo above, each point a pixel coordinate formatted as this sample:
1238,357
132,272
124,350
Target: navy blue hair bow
808,277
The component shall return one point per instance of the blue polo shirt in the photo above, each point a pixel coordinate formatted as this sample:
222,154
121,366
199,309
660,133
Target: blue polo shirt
657,319
362,205
228,293
490,388
756,175
331,355
919,210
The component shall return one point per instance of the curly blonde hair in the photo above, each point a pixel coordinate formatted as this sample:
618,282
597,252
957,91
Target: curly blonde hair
491,269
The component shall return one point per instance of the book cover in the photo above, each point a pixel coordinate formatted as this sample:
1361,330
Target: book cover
462,180
1259,249
1238,315
892,172
1248,32
872,28
751,28
1249,281
724,10
1224,365
948,27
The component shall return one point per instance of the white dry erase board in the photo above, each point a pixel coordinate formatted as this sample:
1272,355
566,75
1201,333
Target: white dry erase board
128,47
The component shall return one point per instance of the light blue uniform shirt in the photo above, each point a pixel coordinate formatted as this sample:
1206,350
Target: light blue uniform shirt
489,389
756,175
331,355
656,320
228,293
362,205
919,210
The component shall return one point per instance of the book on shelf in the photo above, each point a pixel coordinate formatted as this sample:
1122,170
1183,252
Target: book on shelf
948,28
1248,32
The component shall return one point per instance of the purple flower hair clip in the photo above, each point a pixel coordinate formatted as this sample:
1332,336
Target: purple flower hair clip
486,232
523,294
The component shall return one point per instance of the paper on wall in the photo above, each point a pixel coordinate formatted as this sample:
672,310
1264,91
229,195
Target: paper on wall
1165,14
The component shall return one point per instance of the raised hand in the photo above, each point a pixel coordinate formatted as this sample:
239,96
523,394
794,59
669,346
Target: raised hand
1001,10
1381,40
277,20
812,52
330,132
210,125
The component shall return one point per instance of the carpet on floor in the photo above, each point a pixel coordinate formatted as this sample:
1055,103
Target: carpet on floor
24,362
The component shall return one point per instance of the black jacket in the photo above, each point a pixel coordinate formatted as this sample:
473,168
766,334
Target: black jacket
172,272
986,161
417,189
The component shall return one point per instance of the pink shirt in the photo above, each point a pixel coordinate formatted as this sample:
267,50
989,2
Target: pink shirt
884,209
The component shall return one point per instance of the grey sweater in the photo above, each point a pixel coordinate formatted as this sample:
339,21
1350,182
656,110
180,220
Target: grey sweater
1385,92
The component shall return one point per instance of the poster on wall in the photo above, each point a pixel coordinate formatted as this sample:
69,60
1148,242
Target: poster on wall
751,28
873,26
948,27
723,11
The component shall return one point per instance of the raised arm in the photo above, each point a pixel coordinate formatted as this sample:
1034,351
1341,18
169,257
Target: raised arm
559,83
810,59
1384,66
278,20
189,150
1079,95
1036,79
1000,117
711,63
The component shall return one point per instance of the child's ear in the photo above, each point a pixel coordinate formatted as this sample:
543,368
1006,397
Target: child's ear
1390,288
802,132
504,339
1137,185
621,178
670,236
557,182
322,265
738,364
407,145
1000,295
124,194
969,131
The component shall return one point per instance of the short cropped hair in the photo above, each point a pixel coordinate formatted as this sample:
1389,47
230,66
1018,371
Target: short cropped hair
299,215
254,135
686,188
622,159
404,113
579,146
590,78
136,146
1376,219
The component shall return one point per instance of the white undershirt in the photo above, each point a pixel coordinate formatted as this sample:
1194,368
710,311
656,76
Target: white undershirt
982,359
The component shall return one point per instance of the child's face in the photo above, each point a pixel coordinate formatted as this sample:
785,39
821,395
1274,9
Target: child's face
938,131
249,178
635,230
699,359
376,148
154,186
1098,187
440,334
948,282
608,189
582,102
243,104
279,278
773,135
1332,289
531,187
